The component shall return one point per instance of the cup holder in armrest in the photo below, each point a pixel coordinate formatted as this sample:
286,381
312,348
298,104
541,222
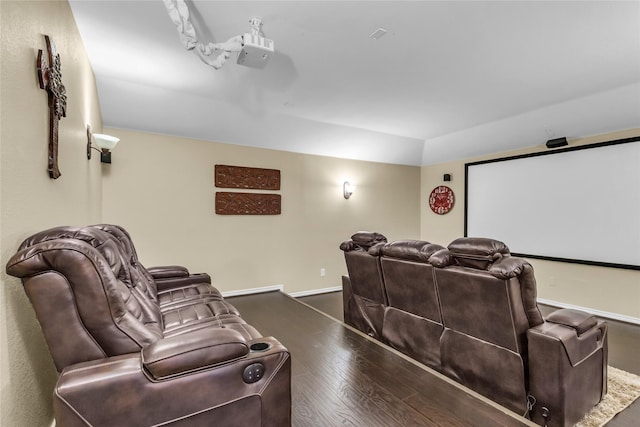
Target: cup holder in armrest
260,346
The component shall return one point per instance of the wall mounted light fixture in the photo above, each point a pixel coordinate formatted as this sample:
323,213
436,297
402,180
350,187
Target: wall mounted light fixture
348,189
104,142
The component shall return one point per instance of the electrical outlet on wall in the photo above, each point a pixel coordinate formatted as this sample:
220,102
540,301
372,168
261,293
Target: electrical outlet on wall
323,272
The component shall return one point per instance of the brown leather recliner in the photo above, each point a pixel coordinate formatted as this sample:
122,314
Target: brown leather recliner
171,282
364,296
169,286
470,312
129,357
412,320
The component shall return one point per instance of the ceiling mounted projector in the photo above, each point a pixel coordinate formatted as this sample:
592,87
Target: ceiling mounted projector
254,50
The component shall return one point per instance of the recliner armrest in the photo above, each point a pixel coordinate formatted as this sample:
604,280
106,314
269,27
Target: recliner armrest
116,391
567,370
176,282
193,351
579,320
168,271
577,347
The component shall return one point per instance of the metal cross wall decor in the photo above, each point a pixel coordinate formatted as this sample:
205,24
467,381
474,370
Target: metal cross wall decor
50,79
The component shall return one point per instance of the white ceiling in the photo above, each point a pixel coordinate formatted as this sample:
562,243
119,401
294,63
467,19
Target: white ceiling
449,80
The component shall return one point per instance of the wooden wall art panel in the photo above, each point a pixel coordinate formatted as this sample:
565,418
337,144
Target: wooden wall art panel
245,177
230,203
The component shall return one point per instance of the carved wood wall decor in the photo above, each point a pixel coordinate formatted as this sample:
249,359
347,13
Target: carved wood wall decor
50,79
230,203
245,177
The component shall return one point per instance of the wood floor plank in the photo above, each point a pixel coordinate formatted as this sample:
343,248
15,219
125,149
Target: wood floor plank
442,409
378,396
308,410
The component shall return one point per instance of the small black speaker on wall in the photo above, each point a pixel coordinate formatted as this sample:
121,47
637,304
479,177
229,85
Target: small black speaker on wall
558,142
446,177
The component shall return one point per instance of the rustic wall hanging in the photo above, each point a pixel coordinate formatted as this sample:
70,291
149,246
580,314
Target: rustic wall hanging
230,203
50,79
245,177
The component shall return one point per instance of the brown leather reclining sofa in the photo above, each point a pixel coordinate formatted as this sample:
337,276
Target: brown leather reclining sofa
142,347
469,311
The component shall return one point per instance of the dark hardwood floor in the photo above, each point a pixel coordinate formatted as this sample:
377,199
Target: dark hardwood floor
341,378
624,347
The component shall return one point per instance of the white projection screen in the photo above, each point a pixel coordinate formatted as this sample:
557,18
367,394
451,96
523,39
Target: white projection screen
578,204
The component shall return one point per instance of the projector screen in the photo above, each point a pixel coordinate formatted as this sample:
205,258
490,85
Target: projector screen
578,204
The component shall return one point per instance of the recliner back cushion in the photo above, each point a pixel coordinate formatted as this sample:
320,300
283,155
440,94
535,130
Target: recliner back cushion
366,277
143,278
514,267
483,306
412,321
410,287
141,315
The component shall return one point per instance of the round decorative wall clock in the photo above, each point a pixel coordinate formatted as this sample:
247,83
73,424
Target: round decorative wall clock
441,199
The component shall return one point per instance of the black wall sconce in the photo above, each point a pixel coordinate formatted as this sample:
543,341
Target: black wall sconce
105,143
446,177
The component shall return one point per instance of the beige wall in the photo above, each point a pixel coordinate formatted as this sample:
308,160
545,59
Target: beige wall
606,289
161,189
29,200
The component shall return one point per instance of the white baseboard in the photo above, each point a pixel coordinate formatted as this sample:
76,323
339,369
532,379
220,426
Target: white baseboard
599,313
315,292
253,291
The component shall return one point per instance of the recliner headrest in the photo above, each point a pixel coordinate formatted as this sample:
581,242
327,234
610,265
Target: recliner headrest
413,250
349,246
122,236
48,242
62,232
362,240
477,252
441,258
102,241
366,239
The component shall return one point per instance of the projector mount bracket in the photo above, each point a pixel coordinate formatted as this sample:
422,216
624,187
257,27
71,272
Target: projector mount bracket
253,49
